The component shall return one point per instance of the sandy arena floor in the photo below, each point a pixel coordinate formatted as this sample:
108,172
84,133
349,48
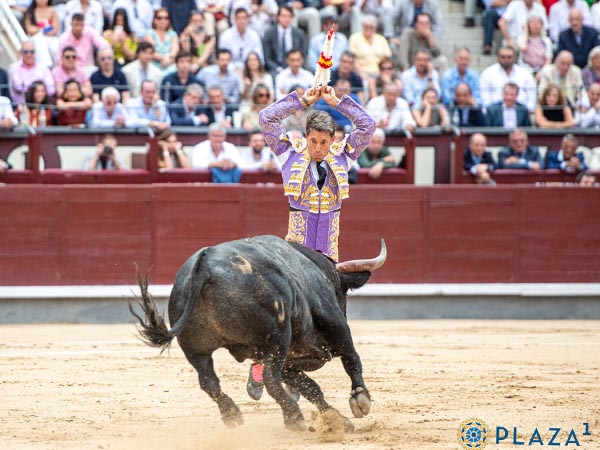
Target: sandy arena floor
96,387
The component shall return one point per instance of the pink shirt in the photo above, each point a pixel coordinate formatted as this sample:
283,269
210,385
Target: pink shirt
60,75
84,46
21,77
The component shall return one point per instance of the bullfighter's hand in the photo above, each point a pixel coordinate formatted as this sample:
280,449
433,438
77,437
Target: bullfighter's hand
328,94
312,96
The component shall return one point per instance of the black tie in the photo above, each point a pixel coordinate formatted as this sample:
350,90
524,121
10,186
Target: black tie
322,175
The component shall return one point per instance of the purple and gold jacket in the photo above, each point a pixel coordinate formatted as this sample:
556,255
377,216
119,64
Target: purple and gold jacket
298,185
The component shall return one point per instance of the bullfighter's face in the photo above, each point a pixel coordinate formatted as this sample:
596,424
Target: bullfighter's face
318,144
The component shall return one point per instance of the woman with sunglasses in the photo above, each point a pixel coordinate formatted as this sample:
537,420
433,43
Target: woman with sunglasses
387,74
121,38
164,39
261,98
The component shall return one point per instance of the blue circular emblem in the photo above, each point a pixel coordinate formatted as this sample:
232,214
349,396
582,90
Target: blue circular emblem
473,434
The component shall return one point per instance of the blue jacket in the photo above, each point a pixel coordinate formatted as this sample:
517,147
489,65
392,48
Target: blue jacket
496,119
555,160
567,41
486,158
180,118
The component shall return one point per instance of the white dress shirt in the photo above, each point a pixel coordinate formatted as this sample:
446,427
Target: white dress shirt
399,117
286,79
6,111
203,155
241,45
493,79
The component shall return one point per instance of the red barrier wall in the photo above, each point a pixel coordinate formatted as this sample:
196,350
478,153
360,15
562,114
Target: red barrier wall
62,235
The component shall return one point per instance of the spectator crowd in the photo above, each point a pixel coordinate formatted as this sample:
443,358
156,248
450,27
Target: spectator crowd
217,63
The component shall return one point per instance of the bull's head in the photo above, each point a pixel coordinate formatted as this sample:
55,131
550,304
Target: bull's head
354,274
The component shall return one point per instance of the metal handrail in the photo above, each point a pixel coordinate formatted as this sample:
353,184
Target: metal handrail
12,29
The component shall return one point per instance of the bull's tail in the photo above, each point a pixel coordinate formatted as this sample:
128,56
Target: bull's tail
152,327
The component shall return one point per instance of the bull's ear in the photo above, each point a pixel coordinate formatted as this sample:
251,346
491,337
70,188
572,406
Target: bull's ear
353,280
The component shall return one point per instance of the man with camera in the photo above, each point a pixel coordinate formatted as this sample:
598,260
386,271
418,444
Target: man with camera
104,156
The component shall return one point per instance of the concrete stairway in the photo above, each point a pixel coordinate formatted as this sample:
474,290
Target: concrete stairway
456,35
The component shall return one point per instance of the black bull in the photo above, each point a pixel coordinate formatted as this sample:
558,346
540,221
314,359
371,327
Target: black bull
271,301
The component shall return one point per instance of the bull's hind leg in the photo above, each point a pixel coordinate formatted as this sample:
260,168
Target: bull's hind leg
272,378
209,382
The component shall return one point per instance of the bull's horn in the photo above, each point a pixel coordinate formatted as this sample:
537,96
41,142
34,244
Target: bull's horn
364,265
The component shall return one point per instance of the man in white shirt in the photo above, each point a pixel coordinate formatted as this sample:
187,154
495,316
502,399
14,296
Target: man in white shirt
558,18
258,156
241,40
493,79
390,111
220,157
514,20
8,119
293,74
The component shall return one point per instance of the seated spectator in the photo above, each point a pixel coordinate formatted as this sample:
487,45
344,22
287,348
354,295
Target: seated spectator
84,40
25,71
280,38
196,40
221,157
139,13
215,15
72,105
293,74
376,157
369,47
493,11
460,73
253,75
141,69
591,74
514,20
121,38
579,39
316,42
108,74
588,111
171,154
465,110
347,70
258,156
109,112
67,70
217,110
341,87
508,113
518,154
189,110
559,16
90,9
494,77
240,40
8,120
42,25
552,111
390,111
164,39
566,158
148,110
105,156
420,37
387,74
38,105
565,75
405,13
419,77
261,98
174,84
478,161
4,84
431,113
586,179
535,46
222,74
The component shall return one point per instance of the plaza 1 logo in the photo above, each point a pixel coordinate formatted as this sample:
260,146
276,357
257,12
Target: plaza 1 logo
474,434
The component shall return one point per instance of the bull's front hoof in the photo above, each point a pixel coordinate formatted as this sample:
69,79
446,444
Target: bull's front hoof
360,402
233,417
295,422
